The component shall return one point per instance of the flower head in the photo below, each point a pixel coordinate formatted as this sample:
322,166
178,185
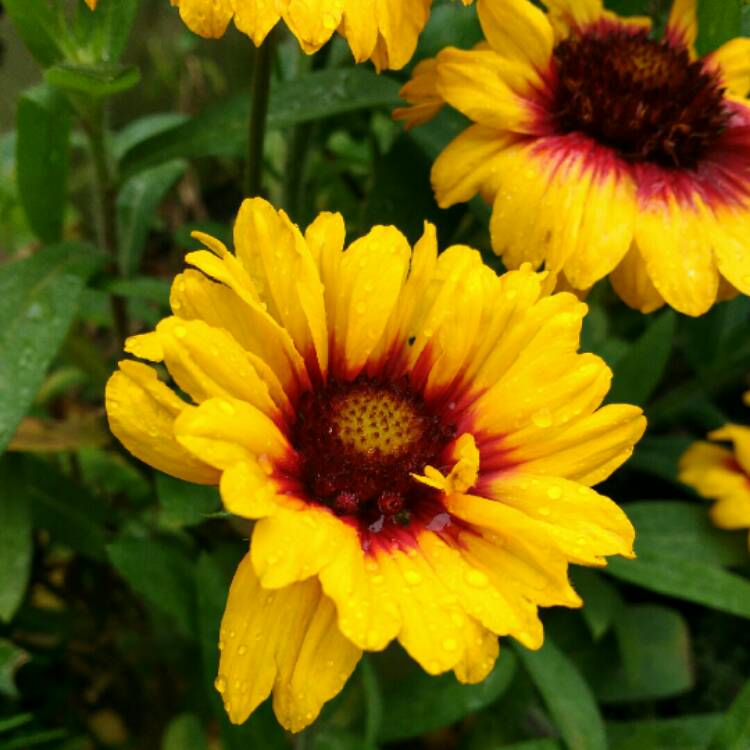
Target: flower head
384,31
604,151
416,437
721,474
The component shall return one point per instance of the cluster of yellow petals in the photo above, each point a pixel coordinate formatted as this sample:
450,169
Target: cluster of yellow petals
250,330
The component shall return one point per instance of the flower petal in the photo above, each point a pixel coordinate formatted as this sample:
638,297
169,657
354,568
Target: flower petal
468,165
682,26
313,23
286,641
206,19
272,249
733,62
225,431
569,15
740,436
672,237
517,30
584,525
421,91
632,283
587,451
142,412
255,18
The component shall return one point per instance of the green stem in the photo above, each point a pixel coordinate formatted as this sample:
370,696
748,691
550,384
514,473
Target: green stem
106,208
294,170
262,64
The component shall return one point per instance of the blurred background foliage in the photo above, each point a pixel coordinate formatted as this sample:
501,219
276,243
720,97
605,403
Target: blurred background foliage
121,133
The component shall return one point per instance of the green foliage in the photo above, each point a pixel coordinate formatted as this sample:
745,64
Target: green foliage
43,126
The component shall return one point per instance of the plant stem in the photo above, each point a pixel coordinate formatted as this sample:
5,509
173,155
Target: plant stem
106,209
262,64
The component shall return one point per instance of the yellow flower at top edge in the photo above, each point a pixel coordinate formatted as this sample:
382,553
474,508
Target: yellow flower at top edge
416,437
384,31
603,151
723,475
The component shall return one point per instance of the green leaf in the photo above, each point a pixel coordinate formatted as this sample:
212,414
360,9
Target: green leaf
532,745
682,578
93,80
13,722
16,544
38,300
734,731
567,697
111,26
37,24
184,732
601,600
137,202
424,703
450,25
638,372
65,510
11,658
685,733
31,740
373,701
185,503
718,22
161,574
42,155
679,529
656,659
221,130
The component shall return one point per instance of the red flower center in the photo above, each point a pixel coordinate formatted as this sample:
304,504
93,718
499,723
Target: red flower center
360,442
644,98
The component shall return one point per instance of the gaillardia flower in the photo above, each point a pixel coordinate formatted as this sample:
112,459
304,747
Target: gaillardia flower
416,437
384,31
603,150
720,474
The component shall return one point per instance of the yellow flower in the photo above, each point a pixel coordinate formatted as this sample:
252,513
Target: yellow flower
604,151
416,437
384,31
723,475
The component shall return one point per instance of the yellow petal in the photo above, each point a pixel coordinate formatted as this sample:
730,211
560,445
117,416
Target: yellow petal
141,412
482,649
194,297
517,30
249,491
313,23
682,26
731,242
286,641
208,19
421,91
370,278
276,255
399,23
488,89
294,544
587,451
584,525
145,346
673,239
632,283
91,4
255,18
464,473
468,165
569,15
207,362
359,28
225,431
740,436
733,62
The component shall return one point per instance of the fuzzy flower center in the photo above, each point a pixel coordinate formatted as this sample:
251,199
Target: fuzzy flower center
360,442
644,98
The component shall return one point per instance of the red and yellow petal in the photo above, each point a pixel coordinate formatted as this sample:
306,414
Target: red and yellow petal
285,641
682,25
142,412
567,16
